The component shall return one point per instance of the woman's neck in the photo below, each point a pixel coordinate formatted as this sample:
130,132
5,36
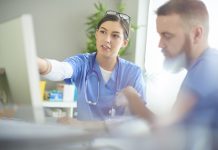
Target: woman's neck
107,63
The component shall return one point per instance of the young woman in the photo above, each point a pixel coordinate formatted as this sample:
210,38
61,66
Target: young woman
99,76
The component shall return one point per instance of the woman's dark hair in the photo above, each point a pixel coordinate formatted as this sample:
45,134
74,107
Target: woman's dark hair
116,18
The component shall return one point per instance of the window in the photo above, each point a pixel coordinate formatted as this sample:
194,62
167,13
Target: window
212,9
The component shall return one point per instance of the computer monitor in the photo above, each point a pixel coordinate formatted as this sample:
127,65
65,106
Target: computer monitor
18,60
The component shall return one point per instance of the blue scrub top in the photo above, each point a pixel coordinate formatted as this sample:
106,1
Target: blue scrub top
86,70
202,79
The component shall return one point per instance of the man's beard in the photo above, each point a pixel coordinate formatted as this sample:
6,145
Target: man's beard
175,64
179,62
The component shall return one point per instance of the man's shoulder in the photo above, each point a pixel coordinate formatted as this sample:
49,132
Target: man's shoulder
210,53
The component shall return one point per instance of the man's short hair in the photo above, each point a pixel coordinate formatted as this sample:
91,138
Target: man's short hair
191,11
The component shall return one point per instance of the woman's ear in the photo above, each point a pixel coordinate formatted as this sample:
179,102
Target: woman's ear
125,43
96,33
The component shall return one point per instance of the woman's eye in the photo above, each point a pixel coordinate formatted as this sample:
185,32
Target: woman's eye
102,31
116,36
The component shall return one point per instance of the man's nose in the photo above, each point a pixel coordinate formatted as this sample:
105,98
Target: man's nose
161,44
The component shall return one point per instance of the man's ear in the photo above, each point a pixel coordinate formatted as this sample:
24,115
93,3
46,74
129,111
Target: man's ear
198,33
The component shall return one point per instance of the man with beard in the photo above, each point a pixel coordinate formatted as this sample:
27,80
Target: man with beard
183,26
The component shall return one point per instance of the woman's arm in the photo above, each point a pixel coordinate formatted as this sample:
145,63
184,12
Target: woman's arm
54,70
44,66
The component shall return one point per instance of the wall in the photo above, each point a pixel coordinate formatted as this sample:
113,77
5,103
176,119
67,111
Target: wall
59,25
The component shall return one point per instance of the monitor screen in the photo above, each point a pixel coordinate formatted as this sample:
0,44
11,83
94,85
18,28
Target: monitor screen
20,79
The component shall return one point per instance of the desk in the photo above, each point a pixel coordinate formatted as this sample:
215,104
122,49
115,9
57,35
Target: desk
22,135
19,135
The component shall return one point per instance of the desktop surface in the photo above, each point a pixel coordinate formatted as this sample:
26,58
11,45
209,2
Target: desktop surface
19,134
